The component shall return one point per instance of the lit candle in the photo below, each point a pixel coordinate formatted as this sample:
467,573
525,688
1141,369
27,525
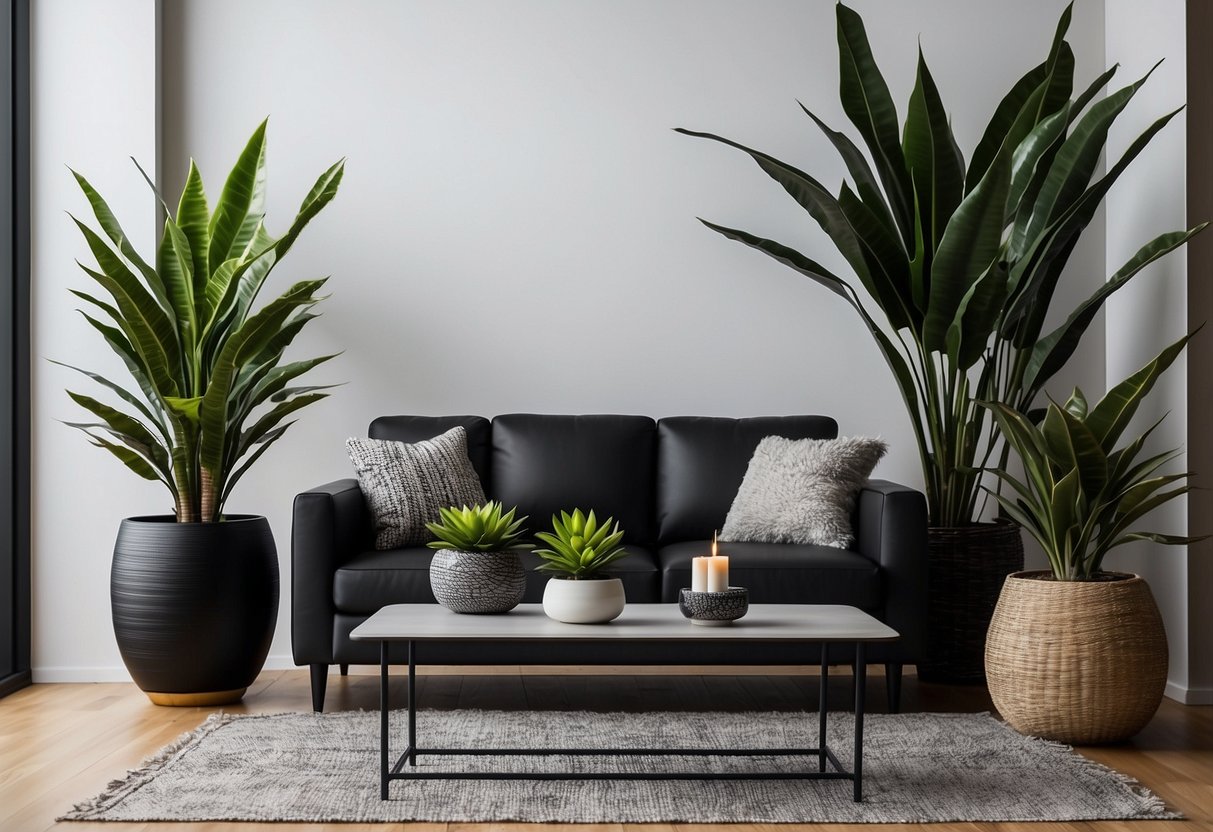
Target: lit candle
718,570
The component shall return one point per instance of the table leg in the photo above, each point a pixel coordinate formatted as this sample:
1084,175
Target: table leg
821,707
412,704
383,712
861,676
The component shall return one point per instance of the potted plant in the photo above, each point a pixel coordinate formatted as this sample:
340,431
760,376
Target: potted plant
957,264
1078,654
476,568
195,593
579,549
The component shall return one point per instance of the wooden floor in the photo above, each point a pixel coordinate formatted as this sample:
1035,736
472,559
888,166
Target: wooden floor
63,743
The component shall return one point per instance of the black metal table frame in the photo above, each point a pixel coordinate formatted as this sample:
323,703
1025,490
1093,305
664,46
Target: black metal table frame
405,766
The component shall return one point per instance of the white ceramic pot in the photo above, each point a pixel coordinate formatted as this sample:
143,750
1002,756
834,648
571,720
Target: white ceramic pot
593,601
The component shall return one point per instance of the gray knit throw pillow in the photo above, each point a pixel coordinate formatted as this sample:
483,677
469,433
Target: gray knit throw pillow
405,484
801,491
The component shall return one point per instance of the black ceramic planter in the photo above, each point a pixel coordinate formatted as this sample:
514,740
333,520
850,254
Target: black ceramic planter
194,605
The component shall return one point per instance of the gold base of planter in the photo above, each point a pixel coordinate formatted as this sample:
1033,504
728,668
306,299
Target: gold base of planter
197,700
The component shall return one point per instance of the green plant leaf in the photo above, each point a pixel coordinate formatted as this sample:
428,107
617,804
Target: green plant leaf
143,407
236,200
1005,115
1071,441
1112,414
1088,95
866,183
130,459
969,247
1077,405
193,220
829,214
1036,94
969,333
1052,352
1034,276
1029,167
121,423
867,103
885,258
152,334
932,156
234,477
109,224
1077,158
246,342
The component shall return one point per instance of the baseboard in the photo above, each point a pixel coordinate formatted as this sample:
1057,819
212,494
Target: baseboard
1189,696
85,675
79,675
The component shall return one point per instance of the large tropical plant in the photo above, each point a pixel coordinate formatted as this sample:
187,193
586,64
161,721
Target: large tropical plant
1080,495
211,391
957,263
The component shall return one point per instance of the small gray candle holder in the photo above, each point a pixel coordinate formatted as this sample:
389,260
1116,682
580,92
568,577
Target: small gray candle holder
714,609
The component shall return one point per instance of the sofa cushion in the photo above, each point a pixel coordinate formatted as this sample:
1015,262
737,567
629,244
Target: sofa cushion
701,461
781,573
407,484
375,579
802,491
543,464
417,428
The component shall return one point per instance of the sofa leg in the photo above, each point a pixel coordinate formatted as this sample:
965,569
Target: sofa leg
320,679
345,669
892,679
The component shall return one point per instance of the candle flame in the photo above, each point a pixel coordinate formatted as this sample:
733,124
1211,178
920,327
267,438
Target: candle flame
713,544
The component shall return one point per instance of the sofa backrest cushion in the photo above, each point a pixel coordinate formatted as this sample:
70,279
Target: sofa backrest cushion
420,428
701,461
544,464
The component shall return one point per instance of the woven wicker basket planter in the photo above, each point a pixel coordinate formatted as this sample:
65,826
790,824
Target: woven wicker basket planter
1077,662
966,569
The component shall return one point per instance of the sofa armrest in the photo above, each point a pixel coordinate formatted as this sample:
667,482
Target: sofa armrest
331,523
892,531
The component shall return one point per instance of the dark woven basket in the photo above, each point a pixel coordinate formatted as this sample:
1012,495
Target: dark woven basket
966,567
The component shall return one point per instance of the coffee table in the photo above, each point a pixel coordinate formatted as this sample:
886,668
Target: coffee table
795,624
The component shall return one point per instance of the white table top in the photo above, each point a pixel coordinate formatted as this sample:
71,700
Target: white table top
639,622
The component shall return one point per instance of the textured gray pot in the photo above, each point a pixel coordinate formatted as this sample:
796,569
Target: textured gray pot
477,582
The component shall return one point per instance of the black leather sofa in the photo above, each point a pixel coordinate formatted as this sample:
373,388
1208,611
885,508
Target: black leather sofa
669,483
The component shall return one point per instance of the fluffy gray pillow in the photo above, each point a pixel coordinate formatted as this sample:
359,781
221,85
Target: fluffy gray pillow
405,484
801,491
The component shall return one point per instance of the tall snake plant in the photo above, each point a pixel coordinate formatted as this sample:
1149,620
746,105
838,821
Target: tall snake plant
212,391
957,263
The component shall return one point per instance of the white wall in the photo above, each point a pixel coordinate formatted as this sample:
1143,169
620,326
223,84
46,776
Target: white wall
1152,311
93,104
516,230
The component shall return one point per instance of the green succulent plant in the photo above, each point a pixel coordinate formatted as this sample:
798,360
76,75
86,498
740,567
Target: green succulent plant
485,528
580,546
1081,496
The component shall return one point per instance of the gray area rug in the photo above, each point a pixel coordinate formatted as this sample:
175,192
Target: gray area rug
324,767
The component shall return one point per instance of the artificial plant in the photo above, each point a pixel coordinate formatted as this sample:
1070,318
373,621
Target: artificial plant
485,528
579,546
211,390
957,261
1080,495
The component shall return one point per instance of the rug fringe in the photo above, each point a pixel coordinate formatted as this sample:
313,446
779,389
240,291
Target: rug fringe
1153,808
136,778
